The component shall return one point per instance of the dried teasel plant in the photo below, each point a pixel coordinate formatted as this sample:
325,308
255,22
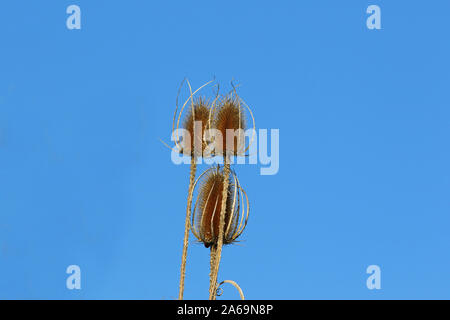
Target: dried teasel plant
208,213
199,112
221,211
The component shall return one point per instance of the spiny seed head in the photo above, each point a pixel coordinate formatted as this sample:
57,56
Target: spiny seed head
200,114
210,205
230,120
207,209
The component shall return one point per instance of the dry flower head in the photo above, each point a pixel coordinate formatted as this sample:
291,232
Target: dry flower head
206,211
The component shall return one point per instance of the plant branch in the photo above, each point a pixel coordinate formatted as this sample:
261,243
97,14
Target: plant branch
226,175
187,226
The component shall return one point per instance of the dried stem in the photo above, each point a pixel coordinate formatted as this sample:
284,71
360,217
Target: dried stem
218,254
213,252
187,226
234,284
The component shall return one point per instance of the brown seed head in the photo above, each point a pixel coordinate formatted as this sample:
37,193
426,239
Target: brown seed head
201,114
207,209
230,120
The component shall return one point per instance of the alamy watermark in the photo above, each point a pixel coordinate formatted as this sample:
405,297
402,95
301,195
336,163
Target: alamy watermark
74,20
374,280
74,280
374,20
244,147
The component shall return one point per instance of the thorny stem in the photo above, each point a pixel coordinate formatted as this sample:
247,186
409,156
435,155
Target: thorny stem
187,226
218,253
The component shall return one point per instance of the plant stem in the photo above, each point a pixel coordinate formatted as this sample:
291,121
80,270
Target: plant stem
187,226
212,265
218,253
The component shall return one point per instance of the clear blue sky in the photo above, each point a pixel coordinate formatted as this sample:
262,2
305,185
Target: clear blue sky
364,147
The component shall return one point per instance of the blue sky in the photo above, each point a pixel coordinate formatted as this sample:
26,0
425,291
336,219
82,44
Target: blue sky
364,127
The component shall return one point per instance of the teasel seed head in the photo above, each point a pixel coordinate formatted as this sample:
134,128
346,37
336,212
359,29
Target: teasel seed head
198,110
196,123
206,211
230,121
